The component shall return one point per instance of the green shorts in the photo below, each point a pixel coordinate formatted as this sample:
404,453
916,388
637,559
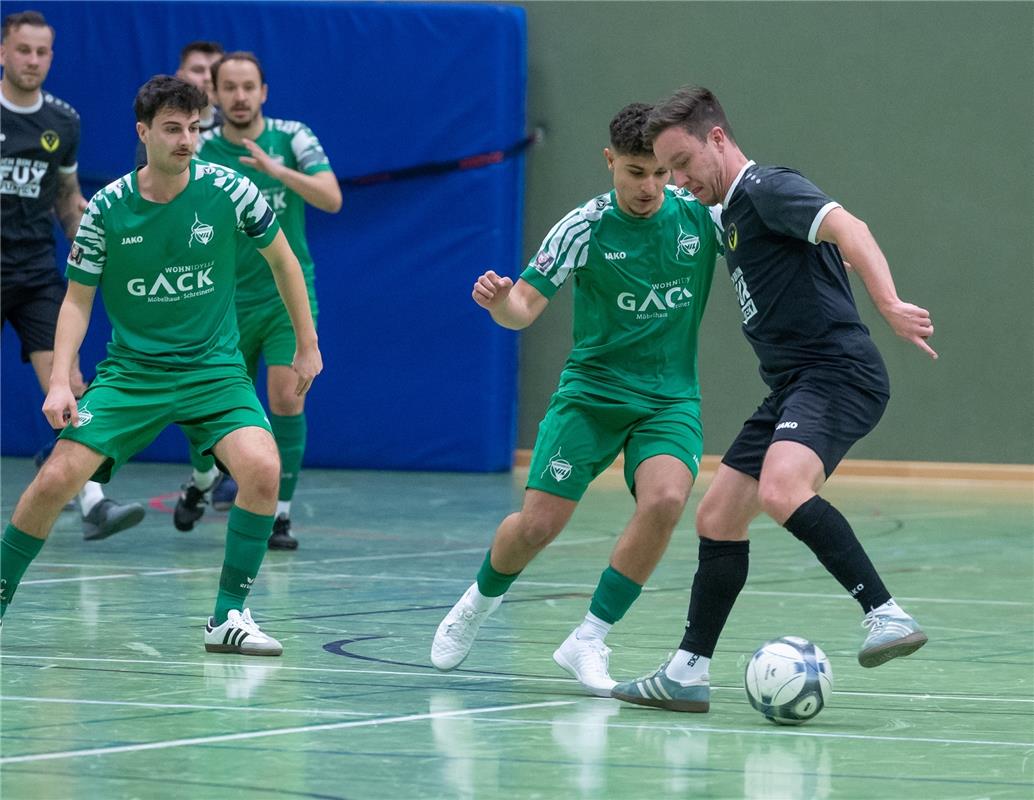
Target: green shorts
129,404
266,331
581,436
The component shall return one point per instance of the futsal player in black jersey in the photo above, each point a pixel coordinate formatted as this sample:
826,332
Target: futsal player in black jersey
38,152
786,243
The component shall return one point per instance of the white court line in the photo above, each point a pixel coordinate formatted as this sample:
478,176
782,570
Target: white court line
292,564
690,730
186,706
476,677
948,600
305,729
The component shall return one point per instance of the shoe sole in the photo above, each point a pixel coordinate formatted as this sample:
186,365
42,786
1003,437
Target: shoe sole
184,526
690,706
896,649
596,691
133,517
292,545
229,648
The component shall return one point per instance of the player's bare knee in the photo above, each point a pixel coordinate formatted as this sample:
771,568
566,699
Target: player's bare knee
54,485
664,507
260,476
537,532
777,500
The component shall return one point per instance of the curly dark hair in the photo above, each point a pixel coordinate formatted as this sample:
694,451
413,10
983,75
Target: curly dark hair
628,130
694,109
165,91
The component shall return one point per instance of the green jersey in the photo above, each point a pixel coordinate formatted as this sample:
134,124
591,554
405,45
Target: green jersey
166,271
640,287
294,145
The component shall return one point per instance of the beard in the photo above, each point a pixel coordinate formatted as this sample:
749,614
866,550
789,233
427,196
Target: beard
242,124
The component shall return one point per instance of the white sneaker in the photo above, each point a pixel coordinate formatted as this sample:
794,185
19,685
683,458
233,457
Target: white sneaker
456,633
588,661
240,634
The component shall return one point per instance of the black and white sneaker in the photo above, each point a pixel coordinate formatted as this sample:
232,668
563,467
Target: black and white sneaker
281,538
190,506
240,634
108,517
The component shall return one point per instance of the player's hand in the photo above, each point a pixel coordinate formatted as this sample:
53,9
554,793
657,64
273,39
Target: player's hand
259,159
490,290
60,408
307,363
911,323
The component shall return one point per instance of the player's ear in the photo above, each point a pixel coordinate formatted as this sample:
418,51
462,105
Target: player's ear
610,158
140,129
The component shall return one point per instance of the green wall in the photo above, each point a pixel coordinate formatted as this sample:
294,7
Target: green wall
917,117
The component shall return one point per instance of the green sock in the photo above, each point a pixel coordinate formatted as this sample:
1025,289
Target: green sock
492,583
614,595
289,433
17,549
246,537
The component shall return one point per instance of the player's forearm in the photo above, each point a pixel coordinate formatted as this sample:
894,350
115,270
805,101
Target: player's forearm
73,320
868,261
320,190
290,283
512,314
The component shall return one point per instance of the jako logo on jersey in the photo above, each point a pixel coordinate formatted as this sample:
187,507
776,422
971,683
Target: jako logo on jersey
558,467
50,141
200,232
673,298
620,256
686,244
783,425
132,239
184,282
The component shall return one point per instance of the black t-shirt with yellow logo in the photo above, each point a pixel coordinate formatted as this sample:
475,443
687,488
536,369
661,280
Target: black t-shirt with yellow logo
37,144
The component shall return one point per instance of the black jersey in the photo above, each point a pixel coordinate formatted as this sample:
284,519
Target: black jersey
798,309
37,144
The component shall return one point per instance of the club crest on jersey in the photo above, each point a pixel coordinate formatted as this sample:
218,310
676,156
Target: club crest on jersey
732,236
200,232
686,244
50,141
559,468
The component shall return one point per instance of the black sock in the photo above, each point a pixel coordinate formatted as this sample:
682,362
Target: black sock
721,573
831,539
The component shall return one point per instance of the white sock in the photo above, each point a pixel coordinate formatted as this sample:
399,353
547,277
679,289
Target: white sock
593,627
283,508
90,496
479,601
204,480
686,666
892,609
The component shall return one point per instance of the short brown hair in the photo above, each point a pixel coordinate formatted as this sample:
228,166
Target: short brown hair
694,109
237,55
13,21
201,46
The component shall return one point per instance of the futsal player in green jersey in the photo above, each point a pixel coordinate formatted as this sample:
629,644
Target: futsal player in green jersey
285,160
161,243
642,258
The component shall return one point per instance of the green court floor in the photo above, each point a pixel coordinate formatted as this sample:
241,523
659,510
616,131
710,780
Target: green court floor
107,691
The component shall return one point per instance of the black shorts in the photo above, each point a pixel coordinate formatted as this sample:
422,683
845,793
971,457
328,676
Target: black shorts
32,312
826,413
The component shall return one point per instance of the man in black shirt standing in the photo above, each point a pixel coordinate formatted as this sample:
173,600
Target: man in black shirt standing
39,142
784,241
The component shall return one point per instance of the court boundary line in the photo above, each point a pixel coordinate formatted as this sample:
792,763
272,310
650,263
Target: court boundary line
430,673
304,729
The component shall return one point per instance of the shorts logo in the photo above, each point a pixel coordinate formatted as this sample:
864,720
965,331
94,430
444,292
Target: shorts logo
85,415
558,467
790,425
200,232
686,244
50,141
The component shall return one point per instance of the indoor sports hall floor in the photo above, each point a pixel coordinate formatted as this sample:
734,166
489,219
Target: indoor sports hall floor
107,691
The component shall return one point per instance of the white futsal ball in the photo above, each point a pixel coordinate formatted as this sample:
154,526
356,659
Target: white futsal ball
789,680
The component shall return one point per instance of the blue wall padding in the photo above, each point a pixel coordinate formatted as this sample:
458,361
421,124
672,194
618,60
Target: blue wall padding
417,376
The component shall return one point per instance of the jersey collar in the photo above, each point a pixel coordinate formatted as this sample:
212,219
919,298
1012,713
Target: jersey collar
22,109
736,183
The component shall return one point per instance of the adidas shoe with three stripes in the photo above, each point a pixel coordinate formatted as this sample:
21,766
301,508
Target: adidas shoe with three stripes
240,634
660,691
